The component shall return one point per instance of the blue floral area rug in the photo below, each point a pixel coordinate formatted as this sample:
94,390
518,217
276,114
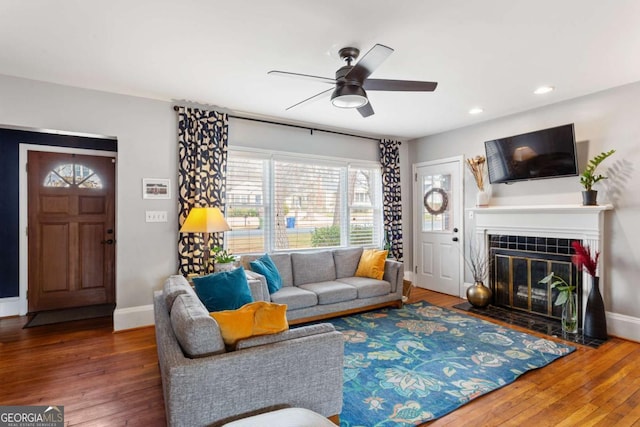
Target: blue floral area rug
407,366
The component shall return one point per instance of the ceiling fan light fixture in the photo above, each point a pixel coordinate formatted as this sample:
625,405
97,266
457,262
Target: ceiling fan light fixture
349,96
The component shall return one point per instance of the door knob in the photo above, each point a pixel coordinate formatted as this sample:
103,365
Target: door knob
455,239
107,242
455,229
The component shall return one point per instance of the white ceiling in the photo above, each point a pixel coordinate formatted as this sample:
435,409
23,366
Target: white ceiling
489,53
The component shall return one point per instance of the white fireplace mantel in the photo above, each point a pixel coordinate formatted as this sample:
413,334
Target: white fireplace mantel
562,221
585,223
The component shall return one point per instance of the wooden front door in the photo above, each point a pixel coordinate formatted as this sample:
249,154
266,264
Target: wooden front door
71,234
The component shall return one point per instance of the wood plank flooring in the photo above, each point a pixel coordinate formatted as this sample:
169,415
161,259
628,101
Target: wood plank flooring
112,379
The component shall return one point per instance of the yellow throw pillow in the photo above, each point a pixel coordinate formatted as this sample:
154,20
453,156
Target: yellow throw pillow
372,263
255,318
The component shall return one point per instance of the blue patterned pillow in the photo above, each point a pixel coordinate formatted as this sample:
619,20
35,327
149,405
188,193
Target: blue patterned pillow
265,266
227,290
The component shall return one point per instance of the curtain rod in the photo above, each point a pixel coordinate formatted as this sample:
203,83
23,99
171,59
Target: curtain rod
175,108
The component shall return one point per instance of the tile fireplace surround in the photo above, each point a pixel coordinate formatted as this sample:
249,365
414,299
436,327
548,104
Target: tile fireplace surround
583,223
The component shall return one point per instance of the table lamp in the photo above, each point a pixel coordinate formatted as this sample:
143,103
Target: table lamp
205,220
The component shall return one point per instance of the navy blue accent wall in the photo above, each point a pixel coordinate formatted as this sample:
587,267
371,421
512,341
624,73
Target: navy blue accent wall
9,193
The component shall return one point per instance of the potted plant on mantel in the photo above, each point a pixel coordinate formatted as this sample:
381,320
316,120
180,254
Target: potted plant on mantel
589,178
477,167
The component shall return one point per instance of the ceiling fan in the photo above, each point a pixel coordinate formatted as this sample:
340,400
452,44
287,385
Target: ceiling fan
352,80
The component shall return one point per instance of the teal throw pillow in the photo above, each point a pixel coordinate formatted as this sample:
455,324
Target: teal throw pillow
227,290
265,266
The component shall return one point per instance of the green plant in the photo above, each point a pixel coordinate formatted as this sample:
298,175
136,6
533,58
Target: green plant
588,177
565,290
221,256
326,236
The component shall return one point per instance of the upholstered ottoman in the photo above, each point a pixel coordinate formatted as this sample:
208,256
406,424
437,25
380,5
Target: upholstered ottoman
288,417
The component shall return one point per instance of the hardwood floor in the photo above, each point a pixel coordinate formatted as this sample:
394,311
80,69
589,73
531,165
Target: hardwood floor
112,379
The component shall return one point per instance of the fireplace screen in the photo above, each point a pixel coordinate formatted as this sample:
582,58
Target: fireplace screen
518,267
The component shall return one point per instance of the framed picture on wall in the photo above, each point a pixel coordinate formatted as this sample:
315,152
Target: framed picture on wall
156,188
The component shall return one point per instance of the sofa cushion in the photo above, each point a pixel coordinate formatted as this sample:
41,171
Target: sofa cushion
196,331
283,263
265,266
227,290
175,285
312,267
295,297
330,292
253,319
346,261
367,287
372,263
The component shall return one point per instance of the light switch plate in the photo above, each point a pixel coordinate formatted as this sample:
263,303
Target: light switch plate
156,216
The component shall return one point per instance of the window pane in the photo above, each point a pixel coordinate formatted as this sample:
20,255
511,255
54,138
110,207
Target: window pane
54,180
292,202
436,222
362,196
86,178
307,205
72,175
245,209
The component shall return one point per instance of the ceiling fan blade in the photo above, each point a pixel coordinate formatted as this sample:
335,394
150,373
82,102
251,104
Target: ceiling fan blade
316,96
302,76
399,85
369,62
366,110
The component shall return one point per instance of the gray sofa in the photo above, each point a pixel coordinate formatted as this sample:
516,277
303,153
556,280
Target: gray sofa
321,284
204,383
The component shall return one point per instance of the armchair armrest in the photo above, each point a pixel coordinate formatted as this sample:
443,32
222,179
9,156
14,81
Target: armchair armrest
289,334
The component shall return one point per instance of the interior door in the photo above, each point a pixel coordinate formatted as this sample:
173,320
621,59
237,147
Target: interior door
71,236
438,222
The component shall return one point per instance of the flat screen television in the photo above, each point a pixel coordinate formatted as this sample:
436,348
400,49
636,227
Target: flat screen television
547,153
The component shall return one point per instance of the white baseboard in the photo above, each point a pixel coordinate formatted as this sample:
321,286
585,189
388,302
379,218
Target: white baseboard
9,307
623,326
133,317
408,275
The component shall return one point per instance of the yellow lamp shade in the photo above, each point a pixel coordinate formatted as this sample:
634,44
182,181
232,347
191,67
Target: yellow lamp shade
205,220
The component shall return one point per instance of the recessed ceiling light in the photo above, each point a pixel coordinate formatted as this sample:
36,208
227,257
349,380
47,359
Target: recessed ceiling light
476,110
543,89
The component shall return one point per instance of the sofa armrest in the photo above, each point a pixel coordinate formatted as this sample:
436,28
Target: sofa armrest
258,286
394,274
303,331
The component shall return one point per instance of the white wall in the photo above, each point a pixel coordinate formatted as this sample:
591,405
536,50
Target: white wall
147,148
605,120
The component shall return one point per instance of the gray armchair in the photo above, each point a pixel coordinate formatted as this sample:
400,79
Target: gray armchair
301,367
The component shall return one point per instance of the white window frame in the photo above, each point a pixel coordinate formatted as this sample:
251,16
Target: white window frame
343,163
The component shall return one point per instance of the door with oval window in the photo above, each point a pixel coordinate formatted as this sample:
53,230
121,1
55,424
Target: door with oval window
438,223
71,234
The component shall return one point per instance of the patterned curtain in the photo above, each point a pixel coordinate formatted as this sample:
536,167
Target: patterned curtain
391,196
202,169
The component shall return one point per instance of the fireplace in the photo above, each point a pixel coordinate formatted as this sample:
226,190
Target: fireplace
518,263
531,241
